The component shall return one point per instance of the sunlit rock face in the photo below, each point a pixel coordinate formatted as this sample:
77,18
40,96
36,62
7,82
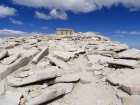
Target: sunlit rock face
78,69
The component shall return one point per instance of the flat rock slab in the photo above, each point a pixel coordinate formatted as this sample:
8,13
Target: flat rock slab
38,75
40,55
130,53
123,62
67,78
11,59
2,87
59,63
95,67
131,100
102,58
8,69
3,54
64,56
128,79
51,93
10,98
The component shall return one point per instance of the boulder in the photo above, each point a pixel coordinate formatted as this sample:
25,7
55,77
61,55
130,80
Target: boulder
40,55
10,59
51,93
59,63
38,75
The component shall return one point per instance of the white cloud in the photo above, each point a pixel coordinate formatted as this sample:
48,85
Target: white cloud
9,33
40,15
77,6
54,14
16,22
118,32
7,11
44,28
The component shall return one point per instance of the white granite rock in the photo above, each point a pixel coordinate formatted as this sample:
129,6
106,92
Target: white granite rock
38,75
130,53
51,93
40,55
59,63
8,69
11,98
64,56
10,59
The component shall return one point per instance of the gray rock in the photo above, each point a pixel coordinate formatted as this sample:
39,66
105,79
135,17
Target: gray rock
59,63
51,93
2,87
40,55
38,75
124,62
8,69
3,54
95,67
64,56
10,59
130,53
11,98
67,78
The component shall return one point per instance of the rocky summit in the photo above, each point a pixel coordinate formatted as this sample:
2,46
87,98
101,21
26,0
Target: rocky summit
78,69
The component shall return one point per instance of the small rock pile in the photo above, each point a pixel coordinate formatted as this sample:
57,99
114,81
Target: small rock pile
79,69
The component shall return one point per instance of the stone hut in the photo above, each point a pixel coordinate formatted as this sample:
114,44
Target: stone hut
64,31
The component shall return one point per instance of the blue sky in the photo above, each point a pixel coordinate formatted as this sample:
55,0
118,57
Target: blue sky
117,19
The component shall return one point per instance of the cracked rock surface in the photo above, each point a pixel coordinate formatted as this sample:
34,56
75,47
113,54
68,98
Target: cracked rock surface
78,69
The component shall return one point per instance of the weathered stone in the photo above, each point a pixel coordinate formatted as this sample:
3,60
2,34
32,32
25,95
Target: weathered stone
102,58
131,100
8,69
38,75
58,62
11,59
130,53
35,93
22,101
3,54
51,93
2,87
40,55
67,78
10,98
94,61
95,67
64,56
85,77
97,73
123,62
132,88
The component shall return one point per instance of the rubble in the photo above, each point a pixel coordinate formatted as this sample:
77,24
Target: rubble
78,69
